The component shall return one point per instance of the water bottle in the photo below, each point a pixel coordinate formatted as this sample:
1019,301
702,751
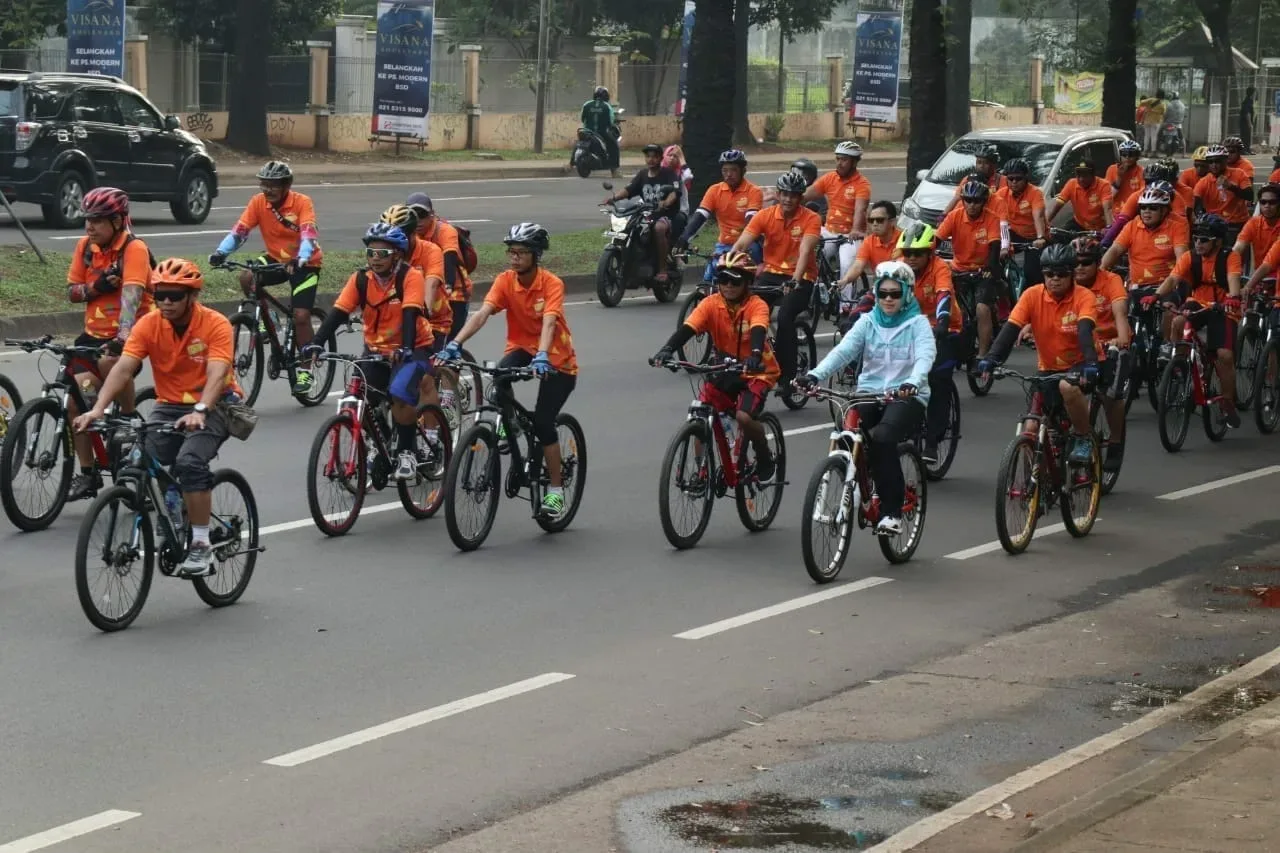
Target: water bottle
729,423
173,507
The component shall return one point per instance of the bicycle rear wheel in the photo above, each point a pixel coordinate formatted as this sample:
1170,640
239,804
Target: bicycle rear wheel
36,462
338,480
758,502
686,491
145,402
234,536
806,358
117,532
471,487
1174,412
899,548
1266,389
247,361
1081,494
949,444
573,471
10,402
826,521
1102,437
1248,348
423,496
1211,413
470,391
1017,495
322,373
698,348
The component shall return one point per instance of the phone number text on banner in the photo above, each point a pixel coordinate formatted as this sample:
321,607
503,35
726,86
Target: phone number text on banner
876,57
95,37
402,67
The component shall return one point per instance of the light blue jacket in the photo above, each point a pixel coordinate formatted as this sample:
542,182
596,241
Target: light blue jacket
891,356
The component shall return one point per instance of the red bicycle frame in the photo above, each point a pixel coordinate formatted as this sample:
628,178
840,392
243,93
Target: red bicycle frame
871,500
352,405
1198,358
99,447
727,454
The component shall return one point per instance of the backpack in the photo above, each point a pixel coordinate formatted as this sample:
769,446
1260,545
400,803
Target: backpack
467,249
362,286
87,255
1219,272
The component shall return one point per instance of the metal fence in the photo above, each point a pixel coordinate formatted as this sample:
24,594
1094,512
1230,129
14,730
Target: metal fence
34,59
797,89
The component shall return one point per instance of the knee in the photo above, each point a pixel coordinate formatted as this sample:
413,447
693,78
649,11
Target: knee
192,471
246,280
544,427
1226,358
1069,391
744,418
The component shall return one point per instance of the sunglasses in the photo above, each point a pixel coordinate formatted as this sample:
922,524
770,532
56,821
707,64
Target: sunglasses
1057,273
877,220
1199,239
379,253
1015,177
888,294
1269,201
170,295
1151,207
727,281
1086,263
916,253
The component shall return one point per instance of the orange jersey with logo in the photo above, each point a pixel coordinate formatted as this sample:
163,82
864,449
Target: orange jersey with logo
1130,185
1189,177
1259,235
1019,211
1244,164
445,236
283,229
1107,289
1151,250
1087,202
102,310
1183,199
732,207
179,365
525,307
1223,202
875,251
782,238
428,259
730,331
1054,323
970,238
381,311
931,284
842,198
1210,290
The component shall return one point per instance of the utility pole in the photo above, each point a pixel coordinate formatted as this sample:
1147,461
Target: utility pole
540,110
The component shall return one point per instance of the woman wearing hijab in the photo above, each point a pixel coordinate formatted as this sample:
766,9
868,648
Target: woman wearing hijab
896,346
673,159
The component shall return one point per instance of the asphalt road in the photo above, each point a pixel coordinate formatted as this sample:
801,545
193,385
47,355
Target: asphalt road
487,207
174,720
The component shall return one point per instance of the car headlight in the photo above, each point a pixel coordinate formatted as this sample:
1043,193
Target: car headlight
911,209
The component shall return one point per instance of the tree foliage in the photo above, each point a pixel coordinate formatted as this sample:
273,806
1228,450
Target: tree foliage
25,22
217,21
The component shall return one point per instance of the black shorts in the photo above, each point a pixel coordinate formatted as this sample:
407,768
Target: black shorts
1050,391
975,286
303,284
1220,331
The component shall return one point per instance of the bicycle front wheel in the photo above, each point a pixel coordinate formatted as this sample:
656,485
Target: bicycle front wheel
826,522
1102,437
1173,414
573,472
247,359
900,547
1211,413
686,492
337,478
1248,348
698,348
949,444
423,495
117,538
36,460
322,373
233,533
806,359
1081,494
1266,389
1017,495
757,501
10,402
471,487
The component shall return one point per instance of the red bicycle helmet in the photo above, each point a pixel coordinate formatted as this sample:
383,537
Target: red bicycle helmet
178,272
104,202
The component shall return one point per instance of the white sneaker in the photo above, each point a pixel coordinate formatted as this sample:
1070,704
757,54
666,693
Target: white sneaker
889,526
407,465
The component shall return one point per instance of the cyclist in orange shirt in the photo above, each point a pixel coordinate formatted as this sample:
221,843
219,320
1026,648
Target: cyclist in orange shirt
190,347
1274,178
1261,231
977,236
731,203
1154,242
1160,174
1235,156
1023,205
1111,302
457,280
1225,192
880,245
1198,169
1090,199
537,336
986,169
1266,271
738,322
110,275
848,193
1126,177
287,223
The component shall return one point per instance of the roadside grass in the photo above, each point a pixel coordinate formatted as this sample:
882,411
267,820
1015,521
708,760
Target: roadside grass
30,287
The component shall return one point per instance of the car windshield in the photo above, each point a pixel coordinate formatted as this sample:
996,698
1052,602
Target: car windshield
959,159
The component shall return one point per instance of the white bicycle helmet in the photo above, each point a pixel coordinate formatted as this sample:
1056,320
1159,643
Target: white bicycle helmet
849,149
1215,152
896,271
1154,195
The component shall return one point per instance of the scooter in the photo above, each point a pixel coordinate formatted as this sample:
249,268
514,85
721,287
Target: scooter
1170,139
590,152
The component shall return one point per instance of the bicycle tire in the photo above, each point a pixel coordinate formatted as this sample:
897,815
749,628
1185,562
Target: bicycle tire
1211,414
245,544
128,499
15,445
1079,528
320,448
950,439
328,369
698,348
1266,402
1247,352
900,553
248,373
833,468
1173,421
806,359
1020,446
144,395
10,403
689,431
435,498
573,468
742,498
482,432
1101,436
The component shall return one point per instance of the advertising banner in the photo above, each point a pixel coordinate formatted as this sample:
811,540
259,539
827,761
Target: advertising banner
686,36
402,67
877,56
1077,94
95,37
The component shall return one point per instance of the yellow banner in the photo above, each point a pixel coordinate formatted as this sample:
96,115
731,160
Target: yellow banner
1077,93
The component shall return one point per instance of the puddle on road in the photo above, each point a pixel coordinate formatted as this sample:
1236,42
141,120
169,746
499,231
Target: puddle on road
1138,698
1233,703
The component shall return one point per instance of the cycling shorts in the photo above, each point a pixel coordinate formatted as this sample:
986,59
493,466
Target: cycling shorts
304,282
729,393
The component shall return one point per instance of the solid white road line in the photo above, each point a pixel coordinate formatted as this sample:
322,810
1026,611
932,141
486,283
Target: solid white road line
988,547
1218,484
814,428
156,234
778,609
68,831
329,747
933,825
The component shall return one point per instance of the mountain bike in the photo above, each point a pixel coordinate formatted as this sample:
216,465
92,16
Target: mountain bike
1251,337
475,472
708,456
37,457
1190,381
1145,348
130,512
1034,471
257,327
1123,362
351,454
1266,385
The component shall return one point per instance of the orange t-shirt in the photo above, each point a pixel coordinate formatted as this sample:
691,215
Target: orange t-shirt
1020,210
179,366
1107,289
1132,184
1182,200
1275,176
874,251
730,331
445,236
1151,250
381,310
1189,177
1210,290
428,259
1226,204
782,238
1272,259
1086,204
970,238
732,207
282,239
1244,164
102,310
1260,236
1054,323
525,307
995,183
842,197
930,285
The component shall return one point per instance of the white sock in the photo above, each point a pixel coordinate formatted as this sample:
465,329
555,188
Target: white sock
555,490
200,533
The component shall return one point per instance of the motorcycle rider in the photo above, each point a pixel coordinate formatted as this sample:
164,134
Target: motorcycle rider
599,117
732,202
1175,113
648,184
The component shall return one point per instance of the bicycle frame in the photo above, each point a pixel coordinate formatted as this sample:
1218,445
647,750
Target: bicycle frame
705,412
1192,348
65,388
355,404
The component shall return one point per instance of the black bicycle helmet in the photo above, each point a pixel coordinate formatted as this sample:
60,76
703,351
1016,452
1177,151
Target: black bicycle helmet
529,234
791,182
276,170
1017,166
1058,257
974,189
1210,225
1087,248
990,153
807,168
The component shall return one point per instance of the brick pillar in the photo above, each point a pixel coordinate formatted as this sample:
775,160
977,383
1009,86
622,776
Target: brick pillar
471,92
607,56
135,63
835,92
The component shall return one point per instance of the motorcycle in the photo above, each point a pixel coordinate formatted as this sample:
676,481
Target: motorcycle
629,260
1170,139
590,152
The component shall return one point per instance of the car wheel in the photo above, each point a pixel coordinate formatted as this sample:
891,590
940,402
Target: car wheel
194,199
64,210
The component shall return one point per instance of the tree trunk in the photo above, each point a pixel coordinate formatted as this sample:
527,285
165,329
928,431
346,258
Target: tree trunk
1120,65
928,62
742,134
1217,15
708,117
959,29
247,97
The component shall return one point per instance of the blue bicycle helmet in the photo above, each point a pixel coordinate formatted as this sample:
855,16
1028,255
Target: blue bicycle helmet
734,156
382,232
974,190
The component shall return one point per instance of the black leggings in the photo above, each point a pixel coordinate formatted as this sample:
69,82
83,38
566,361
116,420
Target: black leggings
886,427
790,306
553,393
940,381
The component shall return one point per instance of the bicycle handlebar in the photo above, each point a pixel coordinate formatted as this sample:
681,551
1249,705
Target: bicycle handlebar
515,373
727,366
251,266
46,343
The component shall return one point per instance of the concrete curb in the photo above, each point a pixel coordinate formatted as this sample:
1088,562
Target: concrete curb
72,322
1055,828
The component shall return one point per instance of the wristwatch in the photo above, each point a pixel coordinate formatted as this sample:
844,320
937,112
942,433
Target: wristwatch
200,409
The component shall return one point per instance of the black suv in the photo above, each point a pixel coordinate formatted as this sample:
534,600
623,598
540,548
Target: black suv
61,134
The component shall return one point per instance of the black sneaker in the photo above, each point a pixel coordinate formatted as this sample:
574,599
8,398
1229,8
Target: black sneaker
84,486
766,467
1232,417
1113,457
930,455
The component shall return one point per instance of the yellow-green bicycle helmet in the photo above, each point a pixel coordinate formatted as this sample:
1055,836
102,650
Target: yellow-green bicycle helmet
919,236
